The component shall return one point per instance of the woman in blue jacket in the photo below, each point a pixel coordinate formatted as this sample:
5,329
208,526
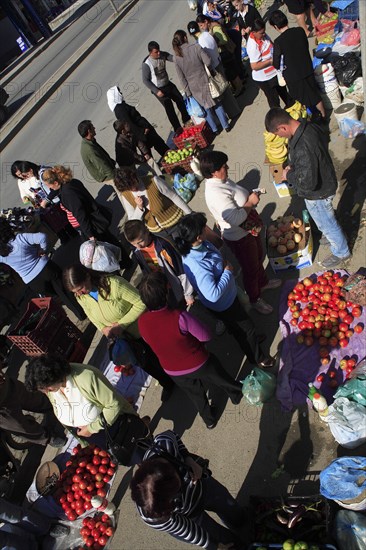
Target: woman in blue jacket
213,279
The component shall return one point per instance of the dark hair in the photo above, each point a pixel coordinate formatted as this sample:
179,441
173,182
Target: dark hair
153,46
278,19
193,28
211,161
6,235
188,229
258,24
202,18
84,126
125,178
276,116
24,166
154,487
154,290
179,38
120,125
46,370
77,275
133,229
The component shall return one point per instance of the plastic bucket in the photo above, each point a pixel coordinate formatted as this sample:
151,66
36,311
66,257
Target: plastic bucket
347,109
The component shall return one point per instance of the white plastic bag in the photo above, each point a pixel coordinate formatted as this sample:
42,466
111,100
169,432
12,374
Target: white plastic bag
192,4
100,256
347,422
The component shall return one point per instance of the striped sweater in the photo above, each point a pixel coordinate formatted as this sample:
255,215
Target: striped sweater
181,523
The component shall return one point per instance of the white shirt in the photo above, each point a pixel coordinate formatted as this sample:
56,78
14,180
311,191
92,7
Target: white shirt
258,53
225,200
208,43
71,407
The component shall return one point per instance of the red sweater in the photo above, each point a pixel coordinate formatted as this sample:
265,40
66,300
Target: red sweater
176,351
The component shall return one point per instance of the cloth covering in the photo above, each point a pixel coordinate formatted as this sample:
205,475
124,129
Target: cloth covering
300,364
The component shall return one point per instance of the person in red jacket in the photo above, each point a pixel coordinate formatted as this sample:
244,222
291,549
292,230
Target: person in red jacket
177,338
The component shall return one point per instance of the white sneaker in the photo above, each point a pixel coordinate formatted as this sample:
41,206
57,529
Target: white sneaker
220,328
272,283
262,307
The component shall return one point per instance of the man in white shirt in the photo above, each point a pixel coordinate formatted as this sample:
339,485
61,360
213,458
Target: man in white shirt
206,41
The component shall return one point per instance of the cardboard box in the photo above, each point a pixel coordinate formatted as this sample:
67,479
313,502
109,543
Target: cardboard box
283,188
297,259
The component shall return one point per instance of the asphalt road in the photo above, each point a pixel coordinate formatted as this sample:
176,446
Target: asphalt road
51,135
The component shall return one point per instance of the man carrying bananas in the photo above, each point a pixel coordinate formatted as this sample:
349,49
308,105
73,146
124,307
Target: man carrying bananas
310,170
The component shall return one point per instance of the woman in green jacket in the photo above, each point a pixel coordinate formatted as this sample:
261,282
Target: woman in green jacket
113,305
78,393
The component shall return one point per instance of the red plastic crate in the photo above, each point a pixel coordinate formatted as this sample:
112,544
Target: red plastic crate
77,353
201,139
53,331
185,164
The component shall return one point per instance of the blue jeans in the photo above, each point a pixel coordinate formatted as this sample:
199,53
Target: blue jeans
322,212
221,115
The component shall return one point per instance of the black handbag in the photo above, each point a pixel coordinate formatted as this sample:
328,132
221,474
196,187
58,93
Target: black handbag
131,431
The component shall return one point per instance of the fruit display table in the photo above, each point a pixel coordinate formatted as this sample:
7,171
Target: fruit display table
317,350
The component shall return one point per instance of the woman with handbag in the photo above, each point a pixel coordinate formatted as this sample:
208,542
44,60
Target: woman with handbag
92,218
83,400
173,491
234,210
113,305
213,280
190,63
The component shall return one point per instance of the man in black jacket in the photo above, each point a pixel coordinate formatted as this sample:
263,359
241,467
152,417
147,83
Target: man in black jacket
312,174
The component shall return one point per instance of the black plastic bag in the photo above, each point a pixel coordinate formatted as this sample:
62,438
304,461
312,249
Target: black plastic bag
347,68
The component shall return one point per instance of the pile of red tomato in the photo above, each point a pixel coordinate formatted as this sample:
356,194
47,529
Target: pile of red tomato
321,312
96,531
190,132
87,474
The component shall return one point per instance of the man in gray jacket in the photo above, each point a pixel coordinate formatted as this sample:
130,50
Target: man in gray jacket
311,172
96,159
155,77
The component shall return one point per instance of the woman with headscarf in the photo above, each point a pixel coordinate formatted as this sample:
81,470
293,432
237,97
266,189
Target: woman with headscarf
190,63
141,127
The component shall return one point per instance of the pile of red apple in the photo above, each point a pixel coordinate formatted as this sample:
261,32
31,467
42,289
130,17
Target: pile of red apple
321,312
87,474
96,531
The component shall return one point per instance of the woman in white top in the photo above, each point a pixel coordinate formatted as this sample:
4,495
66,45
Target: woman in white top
260,49
230,205
31,189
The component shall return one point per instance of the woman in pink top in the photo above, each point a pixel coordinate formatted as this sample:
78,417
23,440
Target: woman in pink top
177,338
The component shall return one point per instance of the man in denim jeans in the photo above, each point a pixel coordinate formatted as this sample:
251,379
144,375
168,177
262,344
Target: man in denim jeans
312,174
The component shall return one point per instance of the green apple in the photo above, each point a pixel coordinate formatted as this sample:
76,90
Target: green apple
301,545
288,544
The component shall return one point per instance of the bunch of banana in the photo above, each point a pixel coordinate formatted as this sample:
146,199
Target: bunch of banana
297,110
275,147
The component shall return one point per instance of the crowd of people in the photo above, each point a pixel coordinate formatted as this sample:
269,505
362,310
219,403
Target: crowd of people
181,258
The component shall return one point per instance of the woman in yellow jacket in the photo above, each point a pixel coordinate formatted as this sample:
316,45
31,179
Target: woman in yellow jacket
113,305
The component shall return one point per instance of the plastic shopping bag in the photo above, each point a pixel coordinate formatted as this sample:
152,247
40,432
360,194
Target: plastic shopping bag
350,530
351,128
100,256
259,386
192,4
344,480
194,108
354,390
347,422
